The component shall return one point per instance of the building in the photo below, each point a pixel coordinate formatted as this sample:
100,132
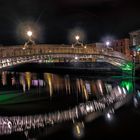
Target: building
122,45
135,44
135,38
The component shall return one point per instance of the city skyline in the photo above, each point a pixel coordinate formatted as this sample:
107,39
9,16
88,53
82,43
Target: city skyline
54,22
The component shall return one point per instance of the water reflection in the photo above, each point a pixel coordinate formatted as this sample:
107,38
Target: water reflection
90,95
52,83
23,123
78,129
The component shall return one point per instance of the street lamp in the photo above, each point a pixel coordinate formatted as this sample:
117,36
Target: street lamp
107,43
78,43
77,37
29,34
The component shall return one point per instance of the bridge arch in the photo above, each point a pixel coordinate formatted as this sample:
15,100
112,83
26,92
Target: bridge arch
15,55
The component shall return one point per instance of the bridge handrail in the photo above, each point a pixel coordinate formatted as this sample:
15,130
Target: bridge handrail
45,49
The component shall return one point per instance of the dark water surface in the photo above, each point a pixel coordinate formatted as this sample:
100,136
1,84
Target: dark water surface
52,106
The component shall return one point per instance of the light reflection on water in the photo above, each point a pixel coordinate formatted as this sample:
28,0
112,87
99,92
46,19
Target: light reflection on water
93,95
60,84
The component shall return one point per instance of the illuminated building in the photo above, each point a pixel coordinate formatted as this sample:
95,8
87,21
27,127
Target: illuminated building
122,45
135,44
135,37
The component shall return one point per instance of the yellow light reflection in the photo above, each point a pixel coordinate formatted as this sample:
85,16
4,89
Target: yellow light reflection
84,90
78,129
48,79
28,79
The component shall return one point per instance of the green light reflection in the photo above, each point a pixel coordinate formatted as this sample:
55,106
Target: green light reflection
127,84
128,66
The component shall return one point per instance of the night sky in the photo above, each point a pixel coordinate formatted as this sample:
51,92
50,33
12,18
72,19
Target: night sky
56,21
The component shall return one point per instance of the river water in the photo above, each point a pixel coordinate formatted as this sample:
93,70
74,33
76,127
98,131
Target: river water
33,103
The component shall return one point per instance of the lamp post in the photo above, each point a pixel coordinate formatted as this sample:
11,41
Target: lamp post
29,34
107,43
77,37
78,43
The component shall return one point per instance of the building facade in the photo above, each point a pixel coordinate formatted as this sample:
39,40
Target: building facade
122,45
135,44
135,38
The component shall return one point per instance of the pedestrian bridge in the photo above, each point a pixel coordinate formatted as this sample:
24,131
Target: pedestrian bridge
15,55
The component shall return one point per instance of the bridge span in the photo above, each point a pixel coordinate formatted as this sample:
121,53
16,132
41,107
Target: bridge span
15,55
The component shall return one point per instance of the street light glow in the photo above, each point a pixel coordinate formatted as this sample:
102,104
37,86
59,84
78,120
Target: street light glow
77,37
108,116
76,57
29,33
107,43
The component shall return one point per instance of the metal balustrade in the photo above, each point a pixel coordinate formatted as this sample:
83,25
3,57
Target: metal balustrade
15,55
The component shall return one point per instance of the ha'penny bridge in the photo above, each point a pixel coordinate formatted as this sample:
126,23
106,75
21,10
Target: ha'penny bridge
60,55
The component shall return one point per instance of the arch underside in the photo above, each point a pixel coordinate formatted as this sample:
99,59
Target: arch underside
65,58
